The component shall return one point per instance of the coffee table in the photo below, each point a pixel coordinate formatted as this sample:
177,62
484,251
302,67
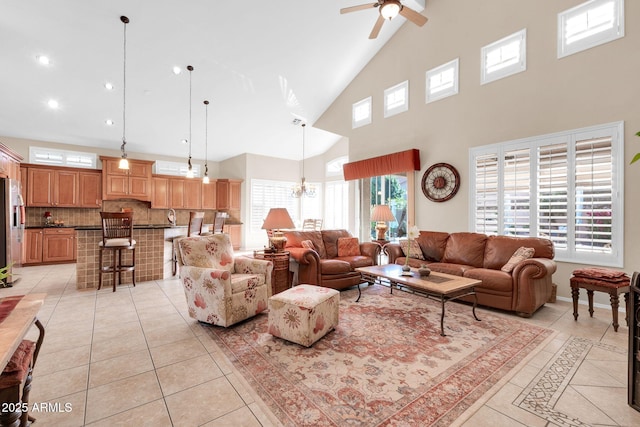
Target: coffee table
440,286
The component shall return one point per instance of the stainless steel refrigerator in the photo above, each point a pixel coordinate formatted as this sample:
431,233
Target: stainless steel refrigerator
11,226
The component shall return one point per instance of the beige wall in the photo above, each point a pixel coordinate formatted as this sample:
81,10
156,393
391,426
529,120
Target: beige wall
588,88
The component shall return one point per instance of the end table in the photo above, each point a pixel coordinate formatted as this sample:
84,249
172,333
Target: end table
280,277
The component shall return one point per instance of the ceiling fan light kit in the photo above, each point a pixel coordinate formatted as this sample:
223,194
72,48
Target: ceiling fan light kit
388,9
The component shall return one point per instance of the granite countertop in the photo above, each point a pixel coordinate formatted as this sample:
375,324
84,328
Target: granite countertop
135,227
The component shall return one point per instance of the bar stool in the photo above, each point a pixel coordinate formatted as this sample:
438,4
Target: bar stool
19,371
602,280
117,235
196,219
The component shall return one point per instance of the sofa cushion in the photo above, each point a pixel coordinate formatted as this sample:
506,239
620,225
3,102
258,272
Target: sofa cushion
466,249
357,261
334,266
348,246
499,249
433,244
308,244
450,268
330,241
518,256
491,279
295,238
411,248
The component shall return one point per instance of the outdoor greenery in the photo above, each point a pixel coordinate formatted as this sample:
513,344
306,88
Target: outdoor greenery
394,195
637,156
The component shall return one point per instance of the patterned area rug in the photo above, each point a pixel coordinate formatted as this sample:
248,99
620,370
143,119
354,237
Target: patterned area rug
385,363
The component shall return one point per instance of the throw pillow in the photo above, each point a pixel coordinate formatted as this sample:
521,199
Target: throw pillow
518,256
308,244
415,252
348,246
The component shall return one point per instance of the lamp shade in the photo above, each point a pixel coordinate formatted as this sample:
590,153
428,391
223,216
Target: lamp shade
278,218
382,213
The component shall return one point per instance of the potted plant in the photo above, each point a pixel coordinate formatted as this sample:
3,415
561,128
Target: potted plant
4,273
637,156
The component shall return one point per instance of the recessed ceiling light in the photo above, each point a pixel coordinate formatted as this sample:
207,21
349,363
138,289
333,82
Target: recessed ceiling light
44,60
52,103
177,70
109,122
108,86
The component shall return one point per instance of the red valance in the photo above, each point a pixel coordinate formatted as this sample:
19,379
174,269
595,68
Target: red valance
402,161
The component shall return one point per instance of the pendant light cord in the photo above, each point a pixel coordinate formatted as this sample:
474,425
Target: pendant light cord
190,68
125,21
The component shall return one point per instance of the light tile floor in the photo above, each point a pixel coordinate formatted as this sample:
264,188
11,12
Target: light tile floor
134,357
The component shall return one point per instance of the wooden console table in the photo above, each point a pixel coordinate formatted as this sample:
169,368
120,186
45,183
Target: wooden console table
280,278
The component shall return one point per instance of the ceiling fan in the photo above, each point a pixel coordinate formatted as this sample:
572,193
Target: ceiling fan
388,9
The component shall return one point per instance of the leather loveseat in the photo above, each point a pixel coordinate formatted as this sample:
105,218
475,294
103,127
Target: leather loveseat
523,290
322,265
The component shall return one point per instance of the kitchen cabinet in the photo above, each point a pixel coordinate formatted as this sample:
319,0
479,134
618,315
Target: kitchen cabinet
176,193
9,163
209,195
90,189
33,246
160,192
134,183
228,195
235,234
59,245
49,245
52,187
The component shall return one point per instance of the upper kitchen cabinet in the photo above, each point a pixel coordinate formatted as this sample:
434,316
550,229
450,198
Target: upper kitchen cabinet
160,192
90,195
176,192
52,187
228,195
209,192
134,183
9,163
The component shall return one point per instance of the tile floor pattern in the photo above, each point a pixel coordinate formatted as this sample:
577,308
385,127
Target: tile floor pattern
134,357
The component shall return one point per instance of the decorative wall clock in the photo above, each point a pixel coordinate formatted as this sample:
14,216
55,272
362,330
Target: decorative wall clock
440,182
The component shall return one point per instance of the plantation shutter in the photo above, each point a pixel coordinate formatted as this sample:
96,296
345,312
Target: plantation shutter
553,190
271,194
486,194
516,191
593,194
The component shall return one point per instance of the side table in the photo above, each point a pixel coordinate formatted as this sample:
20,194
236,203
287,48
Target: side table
280,277
382,244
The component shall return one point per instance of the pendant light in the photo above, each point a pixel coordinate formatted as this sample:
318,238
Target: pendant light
124,163
302,189
205,178
190,169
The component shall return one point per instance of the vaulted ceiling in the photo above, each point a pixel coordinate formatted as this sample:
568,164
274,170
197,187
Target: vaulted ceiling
260,64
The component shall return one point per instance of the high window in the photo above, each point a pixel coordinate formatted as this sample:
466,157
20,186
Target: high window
51,156
504,57
164,167
567,187
361,113
442,81
590,24
396,99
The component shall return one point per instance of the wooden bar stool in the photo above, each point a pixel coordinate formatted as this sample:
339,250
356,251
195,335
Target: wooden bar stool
196,219
19,371
117,235
602,280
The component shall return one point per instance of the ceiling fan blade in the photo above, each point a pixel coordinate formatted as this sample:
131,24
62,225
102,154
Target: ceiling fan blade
357,8
413,16
376,27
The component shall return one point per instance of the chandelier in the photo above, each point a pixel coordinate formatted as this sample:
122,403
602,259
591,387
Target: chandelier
303,189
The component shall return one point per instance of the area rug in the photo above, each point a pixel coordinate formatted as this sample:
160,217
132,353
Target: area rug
384,364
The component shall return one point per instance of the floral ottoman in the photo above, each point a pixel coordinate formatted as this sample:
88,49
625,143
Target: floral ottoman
303,314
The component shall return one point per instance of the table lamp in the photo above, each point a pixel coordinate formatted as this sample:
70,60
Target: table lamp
277,219
381,214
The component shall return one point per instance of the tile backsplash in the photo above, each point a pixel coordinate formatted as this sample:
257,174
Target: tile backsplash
142,214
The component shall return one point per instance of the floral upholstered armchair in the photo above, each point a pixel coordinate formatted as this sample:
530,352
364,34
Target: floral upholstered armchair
221,289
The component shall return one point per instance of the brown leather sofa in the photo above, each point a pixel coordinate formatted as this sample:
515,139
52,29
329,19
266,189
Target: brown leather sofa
323,266
481,257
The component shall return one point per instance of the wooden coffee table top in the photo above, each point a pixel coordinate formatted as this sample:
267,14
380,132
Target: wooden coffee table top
435,283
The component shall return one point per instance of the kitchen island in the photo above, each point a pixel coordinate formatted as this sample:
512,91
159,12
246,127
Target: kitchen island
153,254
